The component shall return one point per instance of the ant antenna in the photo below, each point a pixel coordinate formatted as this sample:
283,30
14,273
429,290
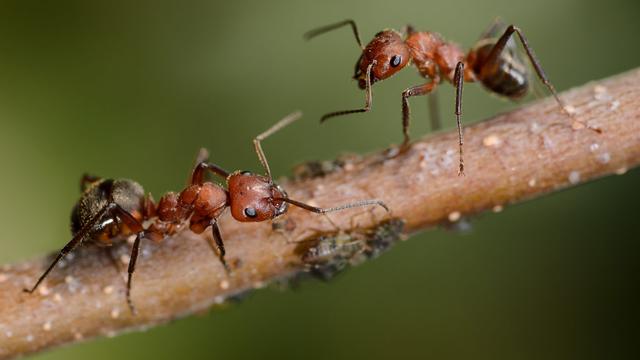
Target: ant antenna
277,126
368,99
337,208
321,30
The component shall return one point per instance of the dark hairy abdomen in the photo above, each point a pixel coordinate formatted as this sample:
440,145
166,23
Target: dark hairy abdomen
92,200
507,77
126,193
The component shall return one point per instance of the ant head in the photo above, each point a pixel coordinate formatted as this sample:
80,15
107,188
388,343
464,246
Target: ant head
254,197
390,54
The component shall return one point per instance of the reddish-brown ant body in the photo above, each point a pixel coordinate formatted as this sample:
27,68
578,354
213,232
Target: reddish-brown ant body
493,62
110,210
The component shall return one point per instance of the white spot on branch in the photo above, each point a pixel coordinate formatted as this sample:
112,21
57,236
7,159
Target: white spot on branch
454,216
574,177
224,284
492,141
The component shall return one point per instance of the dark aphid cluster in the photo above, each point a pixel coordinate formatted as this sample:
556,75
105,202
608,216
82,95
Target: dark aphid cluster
494,61
315,169
331,253
109,210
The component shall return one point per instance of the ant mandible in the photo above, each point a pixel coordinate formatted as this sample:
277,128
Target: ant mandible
501,72
110,210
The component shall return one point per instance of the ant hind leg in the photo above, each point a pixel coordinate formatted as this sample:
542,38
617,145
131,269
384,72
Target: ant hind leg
75,241
500,46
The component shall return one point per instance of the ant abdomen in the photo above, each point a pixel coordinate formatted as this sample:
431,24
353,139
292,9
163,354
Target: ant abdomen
507,76
127,194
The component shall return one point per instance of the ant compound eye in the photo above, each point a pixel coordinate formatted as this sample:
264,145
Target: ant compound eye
250,212
395,60
246,172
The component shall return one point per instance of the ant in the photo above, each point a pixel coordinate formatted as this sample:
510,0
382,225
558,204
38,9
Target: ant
499,71
110,210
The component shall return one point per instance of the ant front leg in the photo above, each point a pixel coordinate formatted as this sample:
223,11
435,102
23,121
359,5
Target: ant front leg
368,99
197,177
272,130
406,112
499,47
219,244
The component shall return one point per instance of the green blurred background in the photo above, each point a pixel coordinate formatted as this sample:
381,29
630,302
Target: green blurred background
133,89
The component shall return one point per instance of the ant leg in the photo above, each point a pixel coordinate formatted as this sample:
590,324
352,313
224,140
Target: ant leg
458,80
273,129
75,241
337,208
87,180
197,177
137,228
321,30
218,246
406,112
201,156
202,165
494,28
434,111
368,99
131,269
500,45
408,30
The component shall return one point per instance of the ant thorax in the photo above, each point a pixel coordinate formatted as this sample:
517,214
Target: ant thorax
433,56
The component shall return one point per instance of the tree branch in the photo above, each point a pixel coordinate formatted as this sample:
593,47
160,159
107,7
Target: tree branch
513,157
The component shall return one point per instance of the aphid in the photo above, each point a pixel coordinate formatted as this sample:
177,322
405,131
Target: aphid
314,169
493,61
330,253
334,253
110,210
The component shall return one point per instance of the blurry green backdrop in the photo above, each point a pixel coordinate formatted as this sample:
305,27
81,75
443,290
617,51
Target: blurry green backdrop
133,89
